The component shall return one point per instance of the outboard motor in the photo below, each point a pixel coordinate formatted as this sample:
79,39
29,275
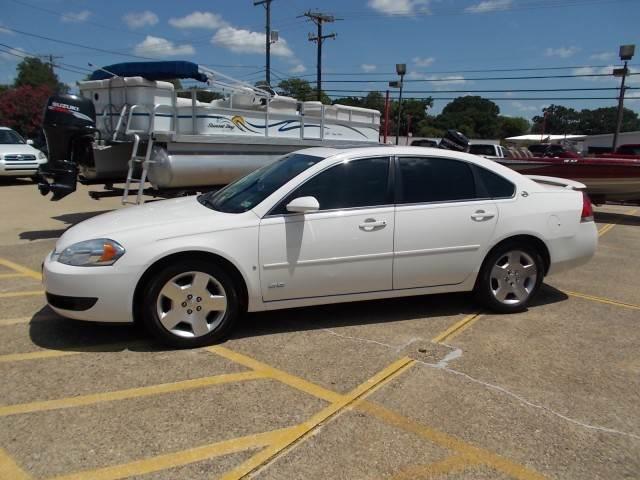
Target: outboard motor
454,140
69,126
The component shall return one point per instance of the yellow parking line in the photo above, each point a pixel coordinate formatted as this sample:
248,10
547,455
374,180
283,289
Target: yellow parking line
283,377
470,452
308,426
11,275
603,300
129,393
456,328
451,464
21,294
20,269
43,354
177,459
8,468
607,227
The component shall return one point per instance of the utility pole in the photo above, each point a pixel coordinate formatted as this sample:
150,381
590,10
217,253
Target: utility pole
268,41
320,19
626,54
49,59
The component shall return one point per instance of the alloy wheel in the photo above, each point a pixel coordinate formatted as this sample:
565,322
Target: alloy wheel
513,277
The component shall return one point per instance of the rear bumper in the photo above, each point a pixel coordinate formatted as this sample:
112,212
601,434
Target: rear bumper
571,252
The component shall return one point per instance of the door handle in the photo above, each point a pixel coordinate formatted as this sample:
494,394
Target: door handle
371,224
481,216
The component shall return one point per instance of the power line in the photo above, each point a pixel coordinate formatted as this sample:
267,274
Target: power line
498,98
508,90
531,77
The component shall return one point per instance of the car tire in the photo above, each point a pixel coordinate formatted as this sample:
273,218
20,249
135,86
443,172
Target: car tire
191,303
510,277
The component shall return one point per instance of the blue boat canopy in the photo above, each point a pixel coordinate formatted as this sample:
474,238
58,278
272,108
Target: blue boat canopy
152,71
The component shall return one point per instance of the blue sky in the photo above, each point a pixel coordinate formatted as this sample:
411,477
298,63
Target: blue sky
438,39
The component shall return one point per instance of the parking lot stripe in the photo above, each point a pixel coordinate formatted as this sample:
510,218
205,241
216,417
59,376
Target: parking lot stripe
456,328
305,428
82,400
21,294
8,468
178,459
607,227
12,275
283,377
608,301
20,269
472,453
451,464
43,354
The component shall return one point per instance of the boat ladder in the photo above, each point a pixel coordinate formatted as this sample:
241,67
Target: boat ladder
135,161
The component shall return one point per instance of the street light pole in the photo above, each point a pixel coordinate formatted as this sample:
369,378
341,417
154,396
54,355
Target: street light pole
401,69
626,54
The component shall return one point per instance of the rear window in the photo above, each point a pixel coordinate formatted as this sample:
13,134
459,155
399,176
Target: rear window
495,185
482,150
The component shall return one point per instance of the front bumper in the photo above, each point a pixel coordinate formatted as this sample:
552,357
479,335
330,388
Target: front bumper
21,169
98,294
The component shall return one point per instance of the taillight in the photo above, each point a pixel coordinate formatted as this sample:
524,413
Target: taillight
587,209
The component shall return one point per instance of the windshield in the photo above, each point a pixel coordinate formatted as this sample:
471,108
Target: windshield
9,137
249,191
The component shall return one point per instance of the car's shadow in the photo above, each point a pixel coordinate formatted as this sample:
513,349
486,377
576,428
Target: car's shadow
15,181
50,331
69,219
617,218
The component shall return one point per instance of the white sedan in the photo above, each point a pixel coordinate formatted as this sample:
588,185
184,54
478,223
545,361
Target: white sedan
322,226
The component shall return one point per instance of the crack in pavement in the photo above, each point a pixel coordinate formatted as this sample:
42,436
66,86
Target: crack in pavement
457,353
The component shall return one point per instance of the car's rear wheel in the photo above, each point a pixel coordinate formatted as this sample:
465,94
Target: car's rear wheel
191,304
510,278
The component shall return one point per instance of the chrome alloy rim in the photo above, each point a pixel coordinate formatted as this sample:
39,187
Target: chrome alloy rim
513,277
191,304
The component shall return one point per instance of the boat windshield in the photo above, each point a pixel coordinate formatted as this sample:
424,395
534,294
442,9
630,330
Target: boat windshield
9,137
249,191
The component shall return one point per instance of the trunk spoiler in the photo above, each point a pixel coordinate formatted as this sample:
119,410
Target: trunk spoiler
558,182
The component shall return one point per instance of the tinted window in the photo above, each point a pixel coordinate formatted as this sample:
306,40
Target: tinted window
249,191
435,180
9,137
629,150
359,183
496,186
482,150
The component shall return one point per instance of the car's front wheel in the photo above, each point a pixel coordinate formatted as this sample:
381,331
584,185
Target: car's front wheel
191,304
510,278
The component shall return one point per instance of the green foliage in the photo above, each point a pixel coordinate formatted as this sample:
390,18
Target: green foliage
474,116
301,90
603,120
513,126
557,119
33,72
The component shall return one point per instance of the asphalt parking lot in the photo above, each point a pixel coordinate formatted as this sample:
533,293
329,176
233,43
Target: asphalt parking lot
426,387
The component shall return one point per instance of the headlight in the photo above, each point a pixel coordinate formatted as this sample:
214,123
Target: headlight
92,253
41,156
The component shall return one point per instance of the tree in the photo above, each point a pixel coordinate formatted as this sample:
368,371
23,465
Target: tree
301,90
557,119
34,72
603,120
513,126
474,116
22,108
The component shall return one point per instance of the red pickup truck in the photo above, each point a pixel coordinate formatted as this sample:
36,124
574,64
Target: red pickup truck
629,150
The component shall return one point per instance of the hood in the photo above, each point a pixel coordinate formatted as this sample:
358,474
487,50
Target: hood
154,220
17,149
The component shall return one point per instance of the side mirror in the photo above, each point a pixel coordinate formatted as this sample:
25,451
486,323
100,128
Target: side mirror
303,205
29,142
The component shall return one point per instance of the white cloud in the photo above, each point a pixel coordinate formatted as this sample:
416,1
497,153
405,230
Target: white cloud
161,47
441,81
76,17
489,6
400,7
140,19
298,69
5,30
367,67
204,20
562,52
423,62
608,70
12,55
239,40
603,56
